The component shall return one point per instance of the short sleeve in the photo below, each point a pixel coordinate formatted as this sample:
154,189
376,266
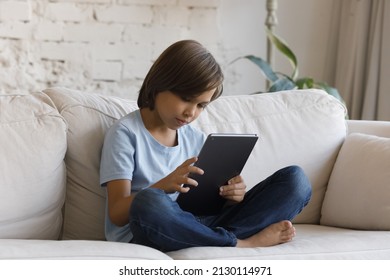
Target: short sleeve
117,160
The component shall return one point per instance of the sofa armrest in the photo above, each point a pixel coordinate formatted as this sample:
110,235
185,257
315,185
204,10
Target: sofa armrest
378,128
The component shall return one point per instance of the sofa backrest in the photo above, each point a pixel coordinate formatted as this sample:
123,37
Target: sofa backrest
32,169
88,117
302,127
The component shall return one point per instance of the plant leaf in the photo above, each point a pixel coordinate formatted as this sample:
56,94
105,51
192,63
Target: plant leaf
330,90
283,83
263,65
284,49
305,82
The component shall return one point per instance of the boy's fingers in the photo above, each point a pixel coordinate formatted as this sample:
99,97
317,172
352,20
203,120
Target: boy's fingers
189,161
195,169
237,179
191,182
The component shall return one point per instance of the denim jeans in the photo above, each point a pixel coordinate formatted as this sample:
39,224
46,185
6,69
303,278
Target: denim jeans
159,222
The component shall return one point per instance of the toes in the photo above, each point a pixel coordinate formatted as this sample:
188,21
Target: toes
284,226
288,233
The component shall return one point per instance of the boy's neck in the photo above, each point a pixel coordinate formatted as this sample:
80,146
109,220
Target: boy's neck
160,132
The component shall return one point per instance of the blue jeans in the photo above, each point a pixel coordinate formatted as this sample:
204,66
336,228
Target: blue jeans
159,222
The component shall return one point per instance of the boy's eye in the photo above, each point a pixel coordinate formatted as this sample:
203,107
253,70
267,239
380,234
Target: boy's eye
202,105
199,105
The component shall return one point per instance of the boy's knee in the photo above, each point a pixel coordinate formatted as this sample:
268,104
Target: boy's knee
152,203
294,170
146,202
148,194
296,174
299,181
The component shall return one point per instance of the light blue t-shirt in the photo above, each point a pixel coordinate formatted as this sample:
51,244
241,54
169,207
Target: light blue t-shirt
131,152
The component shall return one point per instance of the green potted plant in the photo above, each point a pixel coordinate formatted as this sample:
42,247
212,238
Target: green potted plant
280,81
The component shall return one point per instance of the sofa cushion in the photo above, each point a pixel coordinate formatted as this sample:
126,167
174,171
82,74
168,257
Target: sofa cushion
312,242
297,127
12,249
358,194
32,169
88,116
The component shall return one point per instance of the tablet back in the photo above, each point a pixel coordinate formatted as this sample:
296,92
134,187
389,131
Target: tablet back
222,157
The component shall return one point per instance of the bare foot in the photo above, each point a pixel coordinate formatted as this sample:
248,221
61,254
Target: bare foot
274,234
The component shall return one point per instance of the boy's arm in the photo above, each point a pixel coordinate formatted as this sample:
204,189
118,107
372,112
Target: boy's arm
119,191
119,201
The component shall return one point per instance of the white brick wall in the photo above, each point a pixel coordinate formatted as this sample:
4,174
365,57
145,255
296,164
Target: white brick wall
106,46
60,11
15,10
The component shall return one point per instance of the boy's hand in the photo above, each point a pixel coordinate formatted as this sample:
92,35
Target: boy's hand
174,181
234,190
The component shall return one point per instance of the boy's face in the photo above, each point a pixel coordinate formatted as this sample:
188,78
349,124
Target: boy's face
176,111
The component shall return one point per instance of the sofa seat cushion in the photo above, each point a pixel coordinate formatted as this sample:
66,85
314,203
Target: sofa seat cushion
358,195
12,249
32,169
312,242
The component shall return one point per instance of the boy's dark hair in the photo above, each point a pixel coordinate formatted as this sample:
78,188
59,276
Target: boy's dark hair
185,68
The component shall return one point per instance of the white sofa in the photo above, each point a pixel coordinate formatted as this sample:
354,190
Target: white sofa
52,207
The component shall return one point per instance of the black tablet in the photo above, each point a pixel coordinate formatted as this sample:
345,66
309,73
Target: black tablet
222,157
